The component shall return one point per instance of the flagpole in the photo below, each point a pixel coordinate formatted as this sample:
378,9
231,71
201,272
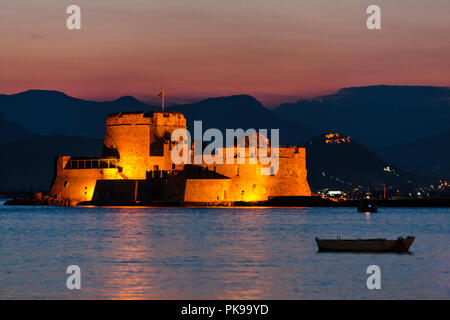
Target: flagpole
161,95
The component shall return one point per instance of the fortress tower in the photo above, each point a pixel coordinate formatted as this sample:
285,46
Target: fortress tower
141,141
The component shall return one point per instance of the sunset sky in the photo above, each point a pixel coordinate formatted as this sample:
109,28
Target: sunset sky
275,50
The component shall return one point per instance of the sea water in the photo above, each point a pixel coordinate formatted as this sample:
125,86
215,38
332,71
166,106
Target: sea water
218,253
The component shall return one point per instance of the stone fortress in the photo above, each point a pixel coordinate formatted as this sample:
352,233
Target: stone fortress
136,168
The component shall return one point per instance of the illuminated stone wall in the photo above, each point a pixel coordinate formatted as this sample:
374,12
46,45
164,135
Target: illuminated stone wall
246,183
162,124
207,190
77,185
141,140
291,177
128,135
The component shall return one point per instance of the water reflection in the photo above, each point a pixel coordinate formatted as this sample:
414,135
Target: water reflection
154,252
216,253
127,265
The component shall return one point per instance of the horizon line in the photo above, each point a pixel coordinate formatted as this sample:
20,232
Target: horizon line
195,98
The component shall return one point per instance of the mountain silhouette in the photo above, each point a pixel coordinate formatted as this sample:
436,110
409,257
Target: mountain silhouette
376,116
10,131
428,156
127,101
52,112
242,111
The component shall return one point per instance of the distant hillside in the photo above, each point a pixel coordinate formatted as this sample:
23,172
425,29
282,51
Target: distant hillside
428,156
53,112
30,162
348,164
242,112
10,131
376,116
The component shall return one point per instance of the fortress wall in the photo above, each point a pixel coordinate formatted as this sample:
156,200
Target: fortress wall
141,140
247,184
73,189
166,121
129,135
76,185
288,152
224,190
290,179
237,170
156,189
161,127
114,191
206,190
248,188
234,168
164,162
127,118
159,162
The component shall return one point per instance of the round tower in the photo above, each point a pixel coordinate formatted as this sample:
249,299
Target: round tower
138,140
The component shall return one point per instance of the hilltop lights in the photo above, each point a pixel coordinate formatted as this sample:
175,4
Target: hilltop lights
257,145
336,138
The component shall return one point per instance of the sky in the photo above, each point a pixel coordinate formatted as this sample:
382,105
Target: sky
275,50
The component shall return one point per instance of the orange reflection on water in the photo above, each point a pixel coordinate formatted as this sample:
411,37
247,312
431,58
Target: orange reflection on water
149,258
125,272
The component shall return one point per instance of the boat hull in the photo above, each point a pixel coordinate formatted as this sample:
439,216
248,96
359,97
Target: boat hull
366,245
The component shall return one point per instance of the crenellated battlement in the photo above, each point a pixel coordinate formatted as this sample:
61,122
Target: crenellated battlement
167,119
153,118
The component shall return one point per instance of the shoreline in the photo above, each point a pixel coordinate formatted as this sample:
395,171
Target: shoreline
278,202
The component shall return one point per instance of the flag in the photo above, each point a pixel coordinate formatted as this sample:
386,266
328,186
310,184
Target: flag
161,95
